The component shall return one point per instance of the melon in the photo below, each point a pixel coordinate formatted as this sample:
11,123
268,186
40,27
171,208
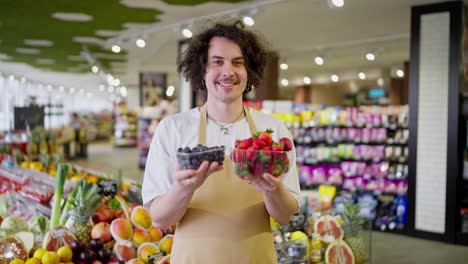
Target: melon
328,228
338,252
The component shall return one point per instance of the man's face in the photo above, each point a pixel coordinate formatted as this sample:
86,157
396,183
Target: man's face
226,74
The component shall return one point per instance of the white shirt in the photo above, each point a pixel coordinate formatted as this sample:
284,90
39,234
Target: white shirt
181,130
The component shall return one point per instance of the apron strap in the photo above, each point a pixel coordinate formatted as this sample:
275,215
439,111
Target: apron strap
203,121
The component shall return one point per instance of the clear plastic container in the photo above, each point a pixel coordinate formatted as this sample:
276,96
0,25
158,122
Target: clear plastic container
257,162
192,160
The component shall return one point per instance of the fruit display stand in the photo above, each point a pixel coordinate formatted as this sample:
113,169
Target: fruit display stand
324,236
90,221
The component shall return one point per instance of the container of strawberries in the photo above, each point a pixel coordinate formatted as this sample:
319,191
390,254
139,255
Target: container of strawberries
259,154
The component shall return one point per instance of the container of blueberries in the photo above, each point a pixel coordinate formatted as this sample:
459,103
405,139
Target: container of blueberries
191,158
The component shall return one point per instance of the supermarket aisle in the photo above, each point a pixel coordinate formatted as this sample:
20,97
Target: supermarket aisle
386,248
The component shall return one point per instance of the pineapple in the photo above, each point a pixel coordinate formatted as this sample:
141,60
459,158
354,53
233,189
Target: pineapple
352,228
82,207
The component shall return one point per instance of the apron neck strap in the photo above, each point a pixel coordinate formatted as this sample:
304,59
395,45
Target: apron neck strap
203,121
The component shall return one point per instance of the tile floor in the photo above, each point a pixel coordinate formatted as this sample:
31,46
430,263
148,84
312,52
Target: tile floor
386,248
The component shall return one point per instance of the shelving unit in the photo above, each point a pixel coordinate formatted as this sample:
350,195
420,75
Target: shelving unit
125,127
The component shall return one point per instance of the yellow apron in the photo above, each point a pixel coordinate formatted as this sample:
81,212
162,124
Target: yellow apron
226,220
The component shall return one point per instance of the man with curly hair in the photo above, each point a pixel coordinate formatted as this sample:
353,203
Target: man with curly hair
222,218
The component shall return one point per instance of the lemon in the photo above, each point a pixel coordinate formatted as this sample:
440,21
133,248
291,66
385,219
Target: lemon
39,253
17,261
33,261
50,258
65,253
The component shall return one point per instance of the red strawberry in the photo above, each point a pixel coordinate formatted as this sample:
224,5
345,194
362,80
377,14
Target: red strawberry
277,147
266,148
236,144
286,143
252,153
274,169
265,155
259,143
245,144
265,136
238,156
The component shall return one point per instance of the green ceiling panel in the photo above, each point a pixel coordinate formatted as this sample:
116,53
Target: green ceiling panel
196,2
23,19
32,19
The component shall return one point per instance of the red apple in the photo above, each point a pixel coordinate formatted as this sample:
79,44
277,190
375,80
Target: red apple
102,231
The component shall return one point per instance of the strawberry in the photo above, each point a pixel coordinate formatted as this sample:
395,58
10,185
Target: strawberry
241,170
236,143
252,153
266,148
287,143
277,147
275,169
264,155
245,144
259,143
238,156
265,136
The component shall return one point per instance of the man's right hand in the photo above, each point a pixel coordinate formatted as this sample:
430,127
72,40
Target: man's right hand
193,179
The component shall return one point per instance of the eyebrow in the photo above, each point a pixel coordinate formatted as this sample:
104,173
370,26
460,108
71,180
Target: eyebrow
219,57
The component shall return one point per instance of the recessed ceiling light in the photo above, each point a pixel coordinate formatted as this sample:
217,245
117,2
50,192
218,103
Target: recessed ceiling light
307,80
140,43
116,48
27,51
400,73
337,3
284,82
370,56
170,90
38,42
335,78
72,17
61,89
95,69
187,33
116,82
23,80
284,66
319,60
248,21
362,76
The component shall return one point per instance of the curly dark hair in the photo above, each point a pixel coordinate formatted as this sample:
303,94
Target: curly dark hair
193,61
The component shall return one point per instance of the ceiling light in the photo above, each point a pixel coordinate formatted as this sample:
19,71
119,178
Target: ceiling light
362,76
102,87
370,56
284,82
81,91
95,69
187,33
400,73
27,51
284,66
116,48
170,90
380,82
338,3
335,78
140,43
307,80
116,82
319,60
38,42
248,21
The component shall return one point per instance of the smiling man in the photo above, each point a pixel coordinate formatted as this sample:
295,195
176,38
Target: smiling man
222,218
